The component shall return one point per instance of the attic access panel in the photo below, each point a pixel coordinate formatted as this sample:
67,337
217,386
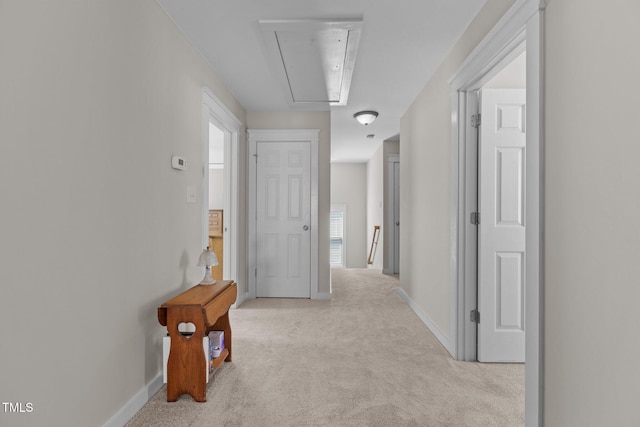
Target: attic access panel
313,59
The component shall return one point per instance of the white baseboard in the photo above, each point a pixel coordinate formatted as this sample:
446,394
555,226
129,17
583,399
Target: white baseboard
240,299
135,404
321,295
427,321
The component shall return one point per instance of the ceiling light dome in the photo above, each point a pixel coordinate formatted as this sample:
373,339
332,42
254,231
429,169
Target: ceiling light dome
365,117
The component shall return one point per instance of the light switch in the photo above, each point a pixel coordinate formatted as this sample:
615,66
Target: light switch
192,197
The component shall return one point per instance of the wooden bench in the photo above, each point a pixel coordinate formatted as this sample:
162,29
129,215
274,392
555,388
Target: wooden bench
206,307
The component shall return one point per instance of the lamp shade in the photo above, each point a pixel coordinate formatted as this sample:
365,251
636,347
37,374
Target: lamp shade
365,117
207,259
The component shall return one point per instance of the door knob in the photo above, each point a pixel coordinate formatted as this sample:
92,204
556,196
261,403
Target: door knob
398,223
305,227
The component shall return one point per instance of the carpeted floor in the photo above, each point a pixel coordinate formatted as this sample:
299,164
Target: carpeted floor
361,359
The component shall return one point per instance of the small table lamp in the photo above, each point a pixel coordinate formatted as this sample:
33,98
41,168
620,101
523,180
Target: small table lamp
208,259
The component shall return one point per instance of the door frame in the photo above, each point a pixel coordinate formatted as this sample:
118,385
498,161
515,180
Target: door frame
254,137
214,111
520,29
391,235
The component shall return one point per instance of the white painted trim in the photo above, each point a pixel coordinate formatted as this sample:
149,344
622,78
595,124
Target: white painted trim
240,299
456,241
498,47
252,159
522,23
136,403
314,136
430,324
284,135
463,234
390,254
322,296
534,294
215,111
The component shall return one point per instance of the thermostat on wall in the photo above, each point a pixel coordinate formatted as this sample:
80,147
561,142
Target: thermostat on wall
178,162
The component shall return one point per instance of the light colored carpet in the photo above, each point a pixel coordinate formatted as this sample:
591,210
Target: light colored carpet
361,359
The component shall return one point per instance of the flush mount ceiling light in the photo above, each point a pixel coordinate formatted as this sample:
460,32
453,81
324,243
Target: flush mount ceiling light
365,117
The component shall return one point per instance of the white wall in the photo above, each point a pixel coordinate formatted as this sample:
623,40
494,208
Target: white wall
349,187
375,205
592,249
591,198
425,175
216,188
309,120
95,229
513,76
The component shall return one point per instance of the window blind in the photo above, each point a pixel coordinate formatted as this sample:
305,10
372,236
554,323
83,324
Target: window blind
336,229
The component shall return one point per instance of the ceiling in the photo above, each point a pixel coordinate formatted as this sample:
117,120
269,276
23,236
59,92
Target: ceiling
401,43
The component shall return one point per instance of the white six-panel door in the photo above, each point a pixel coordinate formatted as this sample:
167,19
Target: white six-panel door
501,233
283,214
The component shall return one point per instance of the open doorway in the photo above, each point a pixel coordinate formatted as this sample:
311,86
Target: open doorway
501,252
519,30
217,195
220,183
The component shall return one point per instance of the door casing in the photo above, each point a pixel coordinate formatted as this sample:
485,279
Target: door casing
255,136
214,111
389,247
520,29
396,216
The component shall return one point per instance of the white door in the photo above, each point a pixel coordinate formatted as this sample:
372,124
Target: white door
501,233
283,214
396,217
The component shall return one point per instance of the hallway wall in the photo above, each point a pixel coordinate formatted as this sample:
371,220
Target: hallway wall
591,201
592,248
425,174
95,229
375,205
349,187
